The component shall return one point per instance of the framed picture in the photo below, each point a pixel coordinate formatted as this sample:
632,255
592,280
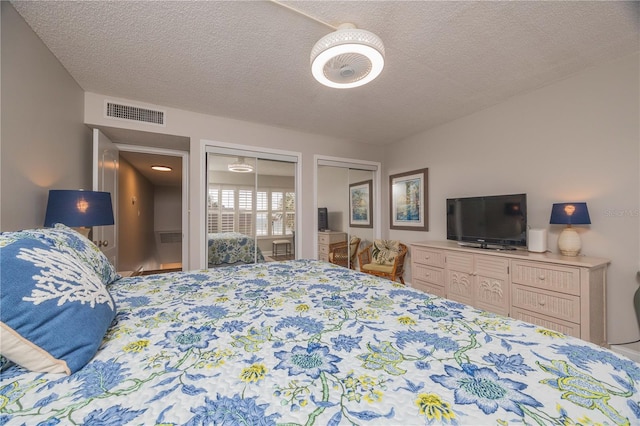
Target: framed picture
360,202
408,200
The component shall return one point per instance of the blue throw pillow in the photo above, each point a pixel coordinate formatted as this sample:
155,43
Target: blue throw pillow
54,310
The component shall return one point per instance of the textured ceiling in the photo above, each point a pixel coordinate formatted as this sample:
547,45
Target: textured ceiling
250,60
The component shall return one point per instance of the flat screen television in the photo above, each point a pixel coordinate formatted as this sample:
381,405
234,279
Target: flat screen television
494,221
323,219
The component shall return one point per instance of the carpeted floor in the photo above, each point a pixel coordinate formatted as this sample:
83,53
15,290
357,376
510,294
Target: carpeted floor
279,258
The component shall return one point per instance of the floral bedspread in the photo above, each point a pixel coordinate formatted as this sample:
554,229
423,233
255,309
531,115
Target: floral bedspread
232,247
306,342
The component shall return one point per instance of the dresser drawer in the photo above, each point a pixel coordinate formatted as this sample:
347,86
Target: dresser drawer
462,262
331,237
548,303
557,278
555,324
428,256
324,239
428,274
428,287
323,249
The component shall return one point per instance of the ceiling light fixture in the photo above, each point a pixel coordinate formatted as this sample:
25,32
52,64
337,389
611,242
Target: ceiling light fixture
240,166
347,58
162,168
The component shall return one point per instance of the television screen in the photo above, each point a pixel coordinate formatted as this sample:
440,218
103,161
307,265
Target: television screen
496,219
323,219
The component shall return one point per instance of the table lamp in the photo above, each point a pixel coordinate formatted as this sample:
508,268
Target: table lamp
79,209
569,214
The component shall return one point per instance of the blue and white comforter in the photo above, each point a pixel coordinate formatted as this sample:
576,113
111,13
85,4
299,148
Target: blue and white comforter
232,247
306,342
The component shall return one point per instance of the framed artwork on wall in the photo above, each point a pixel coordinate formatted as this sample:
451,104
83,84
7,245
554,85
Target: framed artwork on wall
360,202
408,200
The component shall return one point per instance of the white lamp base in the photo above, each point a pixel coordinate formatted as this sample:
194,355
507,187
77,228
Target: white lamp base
569,242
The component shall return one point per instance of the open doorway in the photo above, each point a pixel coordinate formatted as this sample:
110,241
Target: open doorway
151,207
150,234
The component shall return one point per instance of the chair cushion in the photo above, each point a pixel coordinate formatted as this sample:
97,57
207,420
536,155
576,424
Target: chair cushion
384,252
377,268
354,242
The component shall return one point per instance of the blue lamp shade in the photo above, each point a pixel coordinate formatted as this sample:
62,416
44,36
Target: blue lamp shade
76,208
570,214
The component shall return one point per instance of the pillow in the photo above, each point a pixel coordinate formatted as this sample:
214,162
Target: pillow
4,363
66,239
385,252
54,310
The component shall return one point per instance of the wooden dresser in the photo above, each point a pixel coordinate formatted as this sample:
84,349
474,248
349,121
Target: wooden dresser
325,239
566,294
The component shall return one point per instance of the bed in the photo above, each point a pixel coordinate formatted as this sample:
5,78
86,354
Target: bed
308,342
232,247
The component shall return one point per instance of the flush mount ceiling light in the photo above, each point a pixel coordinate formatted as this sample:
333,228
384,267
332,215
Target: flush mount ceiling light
348,57
162,168
240,166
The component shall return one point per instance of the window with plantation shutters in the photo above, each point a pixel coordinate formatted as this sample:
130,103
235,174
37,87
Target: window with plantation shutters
290,212
245,211
263,213
277,213
213,211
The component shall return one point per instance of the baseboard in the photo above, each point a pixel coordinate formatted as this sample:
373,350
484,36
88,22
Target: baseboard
631,350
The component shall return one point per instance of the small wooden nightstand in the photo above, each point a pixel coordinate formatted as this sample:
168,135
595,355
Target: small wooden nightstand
325,239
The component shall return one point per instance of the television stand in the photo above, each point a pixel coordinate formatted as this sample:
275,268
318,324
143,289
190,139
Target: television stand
561,293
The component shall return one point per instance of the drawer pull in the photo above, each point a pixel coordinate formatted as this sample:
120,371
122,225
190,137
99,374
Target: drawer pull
541,302
541,277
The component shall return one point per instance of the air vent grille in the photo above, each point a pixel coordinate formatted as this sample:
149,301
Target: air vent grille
170,237
133,113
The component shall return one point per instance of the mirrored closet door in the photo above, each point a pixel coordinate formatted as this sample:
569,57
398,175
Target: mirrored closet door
346,195
251,208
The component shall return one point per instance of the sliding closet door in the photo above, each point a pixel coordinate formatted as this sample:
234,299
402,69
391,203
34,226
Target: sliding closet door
348,192
251,207
276,209
361,210
231,235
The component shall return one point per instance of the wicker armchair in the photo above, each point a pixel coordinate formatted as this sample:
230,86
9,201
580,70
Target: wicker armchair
384,258
344,254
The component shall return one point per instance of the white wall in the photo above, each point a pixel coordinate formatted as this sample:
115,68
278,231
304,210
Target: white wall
205,129
167,217
576,140
45,144
135,218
